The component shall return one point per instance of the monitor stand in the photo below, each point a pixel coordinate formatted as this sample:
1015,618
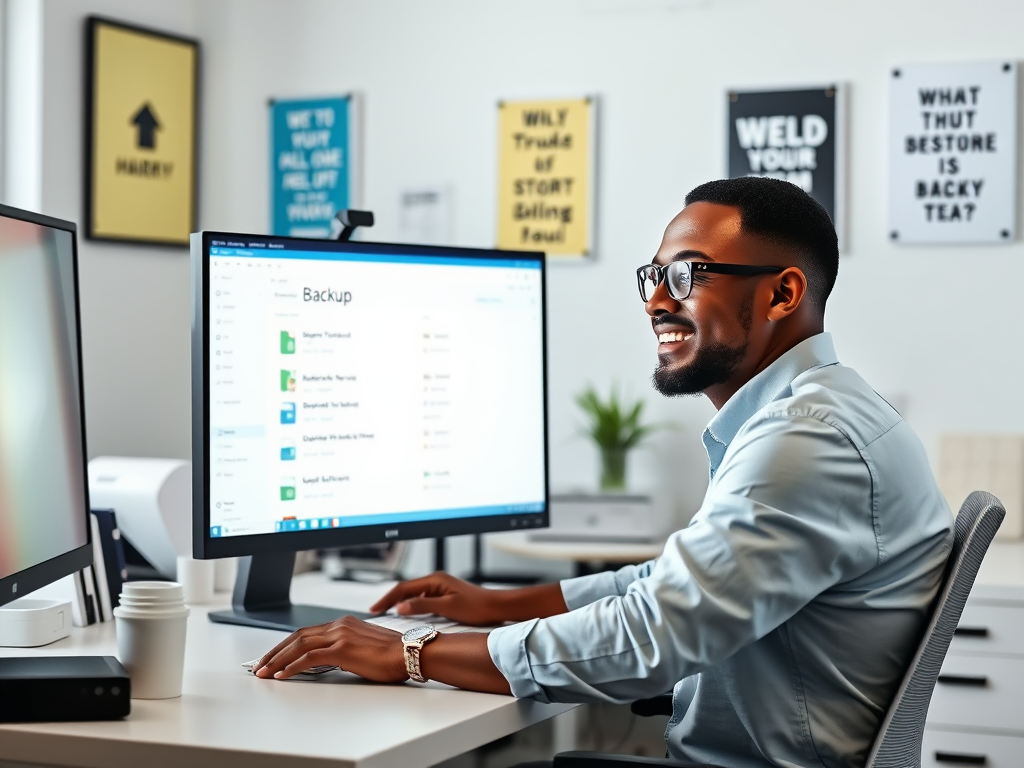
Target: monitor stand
261,597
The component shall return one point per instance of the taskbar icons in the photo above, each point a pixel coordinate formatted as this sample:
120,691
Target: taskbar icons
312,524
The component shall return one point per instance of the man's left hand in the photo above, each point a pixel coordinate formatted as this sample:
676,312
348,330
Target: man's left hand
364,649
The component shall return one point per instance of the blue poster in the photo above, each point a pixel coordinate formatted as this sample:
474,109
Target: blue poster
310,159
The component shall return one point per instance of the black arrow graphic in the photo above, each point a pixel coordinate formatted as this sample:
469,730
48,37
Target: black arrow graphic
147,124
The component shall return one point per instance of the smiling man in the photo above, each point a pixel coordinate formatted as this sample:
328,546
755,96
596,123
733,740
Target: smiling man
784,615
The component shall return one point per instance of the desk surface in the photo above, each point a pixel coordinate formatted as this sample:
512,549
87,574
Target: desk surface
227,717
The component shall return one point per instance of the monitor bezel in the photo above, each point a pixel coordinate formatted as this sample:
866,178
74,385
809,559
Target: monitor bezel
206,547
35,577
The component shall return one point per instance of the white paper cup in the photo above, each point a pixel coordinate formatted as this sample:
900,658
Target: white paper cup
151,622
196,579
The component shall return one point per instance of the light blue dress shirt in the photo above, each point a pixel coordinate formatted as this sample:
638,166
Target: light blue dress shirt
783,617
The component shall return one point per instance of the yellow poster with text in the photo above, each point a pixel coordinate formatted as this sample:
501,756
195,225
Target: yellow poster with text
545,153
143,136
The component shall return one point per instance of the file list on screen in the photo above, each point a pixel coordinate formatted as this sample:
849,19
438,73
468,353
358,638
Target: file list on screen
353,389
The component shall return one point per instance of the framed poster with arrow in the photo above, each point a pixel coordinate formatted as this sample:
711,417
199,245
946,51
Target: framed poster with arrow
140,134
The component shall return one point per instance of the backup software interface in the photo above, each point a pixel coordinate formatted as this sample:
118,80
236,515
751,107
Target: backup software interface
362,388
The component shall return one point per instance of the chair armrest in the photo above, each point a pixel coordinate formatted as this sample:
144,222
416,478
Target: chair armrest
657,706
605,760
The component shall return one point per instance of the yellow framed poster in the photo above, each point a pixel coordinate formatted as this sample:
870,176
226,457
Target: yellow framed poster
141,104
546,151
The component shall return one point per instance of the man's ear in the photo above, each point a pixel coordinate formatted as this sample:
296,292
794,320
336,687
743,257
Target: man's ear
788,290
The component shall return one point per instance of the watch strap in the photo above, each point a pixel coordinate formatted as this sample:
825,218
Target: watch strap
412,651
412,663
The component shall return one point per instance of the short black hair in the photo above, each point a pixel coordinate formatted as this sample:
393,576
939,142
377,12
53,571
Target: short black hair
781,212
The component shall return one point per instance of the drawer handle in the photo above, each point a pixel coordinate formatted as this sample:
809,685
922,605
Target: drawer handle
971,631
962,759
977,680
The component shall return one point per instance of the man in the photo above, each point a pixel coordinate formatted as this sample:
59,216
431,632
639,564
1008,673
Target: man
784,616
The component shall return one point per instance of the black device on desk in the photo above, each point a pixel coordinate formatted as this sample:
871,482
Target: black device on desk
44,496
347,393
49,689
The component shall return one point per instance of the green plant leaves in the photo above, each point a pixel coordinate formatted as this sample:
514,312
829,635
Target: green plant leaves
613,424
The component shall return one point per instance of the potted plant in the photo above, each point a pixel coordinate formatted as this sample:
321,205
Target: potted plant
616,428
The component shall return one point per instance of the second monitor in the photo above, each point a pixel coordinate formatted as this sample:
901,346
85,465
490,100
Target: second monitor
346,393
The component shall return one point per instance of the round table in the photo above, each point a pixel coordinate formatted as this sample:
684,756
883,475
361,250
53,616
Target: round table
587,556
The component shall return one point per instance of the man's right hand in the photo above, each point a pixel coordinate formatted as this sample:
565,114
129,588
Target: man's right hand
458,600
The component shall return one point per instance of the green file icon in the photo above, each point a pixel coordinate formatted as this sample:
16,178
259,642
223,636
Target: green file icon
287,343
287,490
287,381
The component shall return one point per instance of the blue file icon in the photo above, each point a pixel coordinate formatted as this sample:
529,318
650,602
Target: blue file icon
288,451
287,413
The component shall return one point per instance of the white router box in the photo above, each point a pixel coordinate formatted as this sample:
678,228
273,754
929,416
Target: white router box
152,500
993,463
29,622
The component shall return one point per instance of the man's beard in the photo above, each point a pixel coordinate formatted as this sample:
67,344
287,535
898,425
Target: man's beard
712,365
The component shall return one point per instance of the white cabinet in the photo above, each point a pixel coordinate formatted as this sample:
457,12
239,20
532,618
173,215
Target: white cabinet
976,716
952,749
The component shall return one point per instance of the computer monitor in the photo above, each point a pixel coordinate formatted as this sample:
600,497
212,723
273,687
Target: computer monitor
44,504
347,393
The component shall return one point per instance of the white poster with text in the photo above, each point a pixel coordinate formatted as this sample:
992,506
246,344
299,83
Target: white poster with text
953,153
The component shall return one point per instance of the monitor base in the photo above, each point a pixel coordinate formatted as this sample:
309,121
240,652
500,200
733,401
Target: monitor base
286,619
262,597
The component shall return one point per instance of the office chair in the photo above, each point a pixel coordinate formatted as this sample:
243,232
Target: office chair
898,743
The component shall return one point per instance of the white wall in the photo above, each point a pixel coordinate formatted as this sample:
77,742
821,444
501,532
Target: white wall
23,104
135,299
431,73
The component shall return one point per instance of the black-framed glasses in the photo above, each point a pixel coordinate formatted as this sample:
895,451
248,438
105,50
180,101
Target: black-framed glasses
679,275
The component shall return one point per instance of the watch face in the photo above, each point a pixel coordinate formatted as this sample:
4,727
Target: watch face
417,633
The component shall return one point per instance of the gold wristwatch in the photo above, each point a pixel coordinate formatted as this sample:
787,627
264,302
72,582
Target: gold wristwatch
413,642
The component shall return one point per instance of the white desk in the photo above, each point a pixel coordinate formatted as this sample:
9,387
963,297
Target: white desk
226,717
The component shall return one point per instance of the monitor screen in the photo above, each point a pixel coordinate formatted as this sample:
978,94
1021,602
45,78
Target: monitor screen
364,392
43,501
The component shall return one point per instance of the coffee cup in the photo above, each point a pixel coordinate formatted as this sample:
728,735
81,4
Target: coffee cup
196,578
151,621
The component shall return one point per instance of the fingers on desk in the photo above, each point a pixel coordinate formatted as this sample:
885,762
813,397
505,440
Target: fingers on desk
265,660
315,658
367,650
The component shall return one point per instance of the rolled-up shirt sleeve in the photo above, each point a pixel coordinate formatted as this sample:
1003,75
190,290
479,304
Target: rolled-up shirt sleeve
753,555
588,589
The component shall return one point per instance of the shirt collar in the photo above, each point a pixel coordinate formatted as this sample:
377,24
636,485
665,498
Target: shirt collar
814,352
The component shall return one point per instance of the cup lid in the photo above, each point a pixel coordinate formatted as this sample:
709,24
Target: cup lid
143,603
162,591
155,612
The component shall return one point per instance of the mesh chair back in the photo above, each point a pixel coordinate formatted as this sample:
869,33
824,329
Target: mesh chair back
898,744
